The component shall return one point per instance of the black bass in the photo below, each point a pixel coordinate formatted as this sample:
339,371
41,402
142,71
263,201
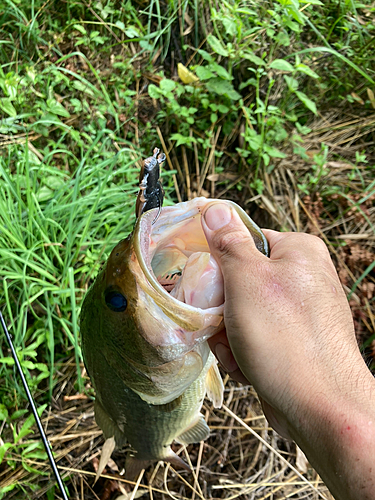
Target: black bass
145,323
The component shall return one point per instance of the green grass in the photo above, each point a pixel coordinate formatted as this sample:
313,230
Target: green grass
87,91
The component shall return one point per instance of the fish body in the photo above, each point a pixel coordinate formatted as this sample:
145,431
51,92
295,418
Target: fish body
145,323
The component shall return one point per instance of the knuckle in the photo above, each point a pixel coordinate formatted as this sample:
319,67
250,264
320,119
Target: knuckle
233,244
308,248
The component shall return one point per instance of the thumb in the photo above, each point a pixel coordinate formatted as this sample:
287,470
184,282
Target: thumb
230,241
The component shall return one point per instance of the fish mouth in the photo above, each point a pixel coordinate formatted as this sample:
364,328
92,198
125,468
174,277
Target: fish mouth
163,247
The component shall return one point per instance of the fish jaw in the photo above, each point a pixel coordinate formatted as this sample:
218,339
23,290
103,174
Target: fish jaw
178,233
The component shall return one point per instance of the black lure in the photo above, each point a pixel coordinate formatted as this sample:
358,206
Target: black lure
151,193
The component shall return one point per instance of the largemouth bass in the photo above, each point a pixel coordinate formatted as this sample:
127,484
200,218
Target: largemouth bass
145,323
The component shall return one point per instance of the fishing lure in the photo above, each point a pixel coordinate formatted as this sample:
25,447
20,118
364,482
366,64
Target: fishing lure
151,193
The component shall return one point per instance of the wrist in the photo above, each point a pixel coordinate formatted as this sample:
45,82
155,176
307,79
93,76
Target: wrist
337,433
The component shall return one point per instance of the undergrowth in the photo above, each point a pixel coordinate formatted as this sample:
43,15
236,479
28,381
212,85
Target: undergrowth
270,104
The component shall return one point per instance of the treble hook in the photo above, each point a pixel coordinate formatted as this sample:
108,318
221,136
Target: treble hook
150,193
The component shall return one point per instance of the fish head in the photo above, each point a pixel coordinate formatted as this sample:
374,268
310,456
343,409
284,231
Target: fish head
158,299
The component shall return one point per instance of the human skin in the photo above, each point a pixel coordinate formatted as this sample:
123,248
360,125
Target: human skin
289,332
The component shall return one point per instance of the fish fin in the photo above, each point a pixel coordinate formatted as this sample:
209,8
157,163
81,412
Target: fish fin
215,386
107,425
133,467
105,455
197,432
176,461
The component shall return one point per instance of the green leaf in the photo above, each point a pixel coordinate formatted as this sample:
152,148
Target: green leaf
29,422
182,139
167,85
203,73
221,71
217,46
222,87
222,108
54,182
283,39
3,449
120,25
44,194
7,360
80,28
78,85
339,56
28,364
131,31
291,82
18,414
305,69
230,26
307,102
250,56
8,107
273,152
208,57
3,412
281,65
57,108
153,91
312,2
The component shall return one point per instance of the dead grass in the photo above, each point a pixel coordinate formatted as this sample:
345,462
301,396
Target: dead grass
243,458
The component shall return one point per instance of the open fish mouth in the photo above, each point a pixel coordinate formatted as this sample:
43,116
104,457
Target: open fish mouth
173,297
175,258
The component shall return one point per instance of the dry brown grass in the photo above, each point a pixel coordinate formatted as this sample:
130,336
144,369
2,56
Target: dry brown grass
243,457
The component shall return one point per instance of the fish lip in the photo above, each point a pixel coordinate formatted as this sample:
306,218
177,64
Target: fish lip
188,317
142,238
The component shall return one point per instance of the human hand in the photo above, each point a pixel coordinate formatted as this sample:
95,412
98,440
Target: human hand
289,332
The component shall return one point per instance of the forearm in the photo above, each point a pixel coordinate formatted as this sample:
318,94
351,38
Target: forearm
337,434
289,332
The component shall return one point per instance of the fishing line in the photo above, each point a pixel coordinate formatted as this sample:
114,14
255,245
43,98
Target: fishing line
33,408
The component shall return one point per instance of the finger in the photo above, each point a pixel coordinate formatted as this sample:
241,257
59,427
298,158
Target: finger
276,420
220,347
233,248
226,234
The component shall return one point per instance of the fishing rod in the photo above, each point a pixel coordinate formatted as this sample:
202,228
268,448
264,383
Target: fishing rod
33,408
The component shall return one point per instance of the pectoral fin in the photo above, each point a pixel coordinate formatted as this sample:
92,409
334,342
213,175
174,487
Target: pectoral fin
107,425
215,386
197,432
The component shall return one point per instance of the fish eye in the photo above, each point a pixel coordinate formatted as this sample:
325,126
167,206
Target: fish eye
115,300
